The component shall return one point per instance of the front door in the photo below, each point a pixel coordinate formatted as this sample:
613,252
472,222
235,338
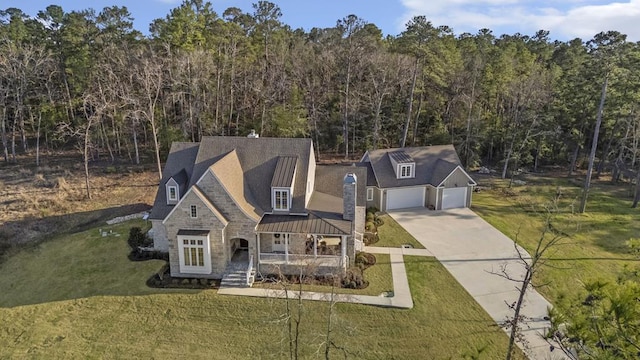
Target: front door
279,242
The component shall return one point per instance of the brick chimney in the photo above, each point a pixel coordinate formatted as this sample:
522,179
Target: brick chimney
349,196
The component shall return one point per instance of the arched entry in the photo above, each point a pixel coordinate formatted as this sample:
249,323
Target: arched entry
239,250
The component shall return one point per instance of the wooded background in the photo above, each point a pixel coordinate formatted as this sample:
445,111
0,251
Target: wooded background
88,79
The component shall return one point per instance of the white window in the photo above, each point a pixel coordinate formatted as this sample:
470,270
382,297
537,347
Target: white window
281,199
173,193
194,254
194,211
369,194
406,171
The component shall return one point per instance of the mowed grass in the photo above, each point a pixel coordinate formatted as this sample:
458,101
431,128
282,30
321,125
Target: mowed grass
393,235
78,296
595,246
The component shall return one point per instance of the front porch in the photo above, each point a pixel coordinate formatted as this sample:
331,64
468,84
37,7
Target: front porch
292,253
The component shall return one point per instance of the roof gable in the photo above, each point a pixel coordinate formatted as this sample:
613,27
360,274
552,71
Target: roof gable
195,191
228,173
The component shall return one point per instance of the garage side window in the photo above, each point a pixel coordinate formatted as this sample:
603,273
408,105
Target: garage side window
369,194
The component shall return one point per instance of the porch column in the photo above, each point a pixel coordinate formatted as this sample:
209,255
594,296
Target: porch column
343,250
286,247
315,246
258,247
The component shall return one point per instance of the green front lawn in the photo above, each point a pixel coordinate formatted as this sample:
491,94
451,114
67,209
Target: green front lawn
79,296
393,235
595,248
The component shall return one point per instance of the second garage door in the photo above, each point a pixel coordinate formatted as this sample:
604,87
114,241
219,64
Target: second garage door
405,198
454,198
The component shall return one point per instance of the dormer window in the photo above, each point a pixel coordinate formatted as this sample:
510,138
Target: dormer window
282,183
173,193
406,171
281,199
176,184
403,164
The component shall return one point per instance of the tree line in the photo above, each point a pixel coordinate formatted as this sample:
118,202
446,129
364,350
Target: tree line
511,101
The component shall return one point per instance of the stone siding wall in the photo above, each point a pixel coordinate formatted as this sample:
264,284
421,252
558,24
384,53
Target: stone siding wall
240,224
181,219
160,239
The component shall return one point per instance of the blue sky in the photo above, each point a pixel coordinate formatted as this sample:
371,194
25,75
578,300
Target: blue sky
565,19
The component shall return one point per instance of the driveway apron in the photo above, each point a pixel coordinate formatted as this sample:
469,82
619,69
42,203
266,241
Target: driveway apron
474,252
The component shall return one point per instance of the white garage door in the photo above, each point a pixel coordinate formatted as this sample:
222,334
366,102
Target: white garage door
405,198
454,198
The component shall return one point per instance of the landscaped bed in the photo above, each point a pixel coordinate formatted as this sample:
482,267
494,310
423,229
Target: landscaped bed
378,279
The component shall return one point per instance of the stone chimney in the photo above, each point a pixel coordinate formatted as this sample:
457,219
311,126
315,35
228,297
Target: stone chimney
349,196
253,135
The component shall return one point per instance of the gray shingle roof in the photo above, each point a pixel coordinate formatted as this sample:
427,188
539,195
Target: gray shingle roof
285,169
181,158
258,159
329,181
442,169
428,169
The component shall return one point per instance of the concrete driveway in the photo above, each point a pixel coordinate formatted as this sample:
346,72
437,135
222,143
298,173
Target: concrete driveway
473,251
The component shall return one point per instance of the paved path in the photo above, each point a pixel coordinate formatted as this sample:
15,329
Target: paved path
473,251
401,293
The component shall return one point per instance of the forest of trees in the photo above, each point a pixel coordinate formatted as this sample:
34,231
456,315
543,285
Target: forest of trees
87,79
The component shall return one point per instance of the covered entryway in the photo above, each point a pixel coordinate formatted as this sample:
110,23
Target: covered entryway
405,198
453,198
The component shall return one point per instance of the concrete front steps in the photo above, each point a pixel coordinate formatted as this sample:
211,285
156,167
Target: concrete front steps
236,277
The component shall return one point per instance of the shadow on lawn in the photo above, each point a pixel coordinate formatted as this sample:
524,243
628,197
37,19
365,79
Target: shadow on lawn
69,260
42,229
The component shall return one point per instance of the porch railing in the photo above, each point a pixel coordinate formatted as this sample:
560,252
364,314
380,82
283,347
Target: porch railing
299,259
249,275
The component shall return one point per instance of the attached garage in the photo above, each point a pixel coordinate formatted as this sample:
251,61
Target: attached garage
405,198
454,198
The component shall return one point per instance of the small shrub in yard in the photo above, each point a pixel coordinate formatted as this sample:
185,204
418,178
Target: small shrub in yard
370,216
370,226
370,238
365,260
378,221
353,279
137,238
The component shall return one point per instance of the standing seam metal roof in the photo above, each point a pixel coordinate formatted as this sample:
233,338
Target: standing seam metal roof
311,224
285,169
401,157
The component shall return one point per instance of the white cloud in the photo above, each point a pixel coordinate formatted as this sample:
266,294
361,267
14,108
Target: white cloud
565,19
